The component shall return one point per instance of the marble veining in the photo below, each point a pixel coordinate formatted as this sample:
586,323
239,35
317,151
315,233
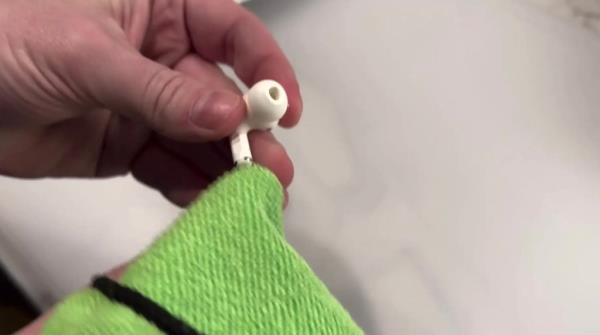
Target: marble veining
586,13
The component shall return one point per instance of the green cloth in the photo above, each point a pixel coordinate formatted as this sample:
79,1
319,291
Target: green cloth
224,267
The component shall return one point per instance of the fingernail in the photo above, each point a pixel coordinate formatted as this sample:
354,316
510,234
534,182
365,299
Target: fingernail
214,110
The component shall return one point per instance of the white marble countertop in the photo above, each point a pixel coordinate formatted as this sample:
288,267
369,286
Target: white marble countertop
448,170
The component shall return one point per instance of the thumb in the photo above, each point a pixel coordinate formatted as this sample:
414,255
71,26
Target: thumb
169,102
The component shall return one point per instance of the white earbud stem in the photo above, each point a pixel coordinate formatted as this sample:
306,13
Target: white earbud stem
266,103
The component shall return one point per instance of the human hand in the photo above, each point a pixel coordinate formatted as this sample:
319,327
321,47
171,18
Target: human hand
36,327
105,87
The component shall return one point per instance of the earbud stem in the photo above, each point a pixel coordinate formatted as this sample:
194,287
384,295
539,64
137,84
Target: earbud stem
240,149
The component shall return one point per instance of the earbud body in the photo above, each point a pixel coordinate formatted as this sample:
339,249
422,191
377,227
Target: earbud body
266,103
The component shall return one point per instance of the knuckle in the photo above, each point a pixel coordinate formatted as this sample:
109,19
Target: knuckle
160,97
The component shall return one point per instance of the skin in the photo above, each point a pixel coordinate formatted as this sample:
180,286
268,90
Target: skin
36,327
99,88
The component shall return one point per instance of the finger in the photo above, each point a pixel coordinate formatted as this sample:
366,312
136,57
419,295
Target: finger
169,102
178,180
215,159
206,73
222,31
268,152
36,327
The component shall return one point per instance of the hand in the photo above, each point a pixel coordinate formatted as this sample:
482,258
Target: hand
36,327
106,87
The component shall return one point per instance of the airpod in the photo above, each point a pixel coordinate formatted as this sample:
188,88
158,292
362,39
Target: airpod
266,102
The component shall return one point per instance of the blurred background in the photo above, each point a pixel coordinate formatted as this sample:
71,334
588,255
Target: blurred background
447,171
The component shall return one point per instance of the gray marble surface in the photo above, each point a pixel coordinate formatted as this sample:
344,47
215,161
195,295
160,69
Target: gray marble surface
448,170
583,12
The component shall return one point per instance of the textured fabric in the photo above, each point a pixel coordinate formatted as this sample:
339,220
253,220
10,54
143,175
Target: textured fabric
224,268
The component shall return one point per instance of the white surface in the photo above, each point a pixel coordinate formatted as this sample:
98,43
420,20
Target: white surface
447,179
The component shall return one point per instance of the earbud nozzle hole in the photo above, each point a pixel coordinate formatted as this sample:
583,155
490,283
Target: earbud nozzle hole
274,93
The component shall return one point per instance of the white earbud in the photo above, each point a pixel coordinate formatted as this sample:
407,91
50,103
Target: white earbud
266,102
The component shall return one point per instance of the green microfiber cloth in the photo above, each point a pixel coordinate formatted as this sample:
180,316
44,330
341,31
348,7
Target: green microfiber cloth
224,268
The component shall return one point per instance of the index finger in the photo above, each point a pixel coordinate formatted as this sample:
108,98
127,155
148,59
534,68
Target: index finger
223,31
